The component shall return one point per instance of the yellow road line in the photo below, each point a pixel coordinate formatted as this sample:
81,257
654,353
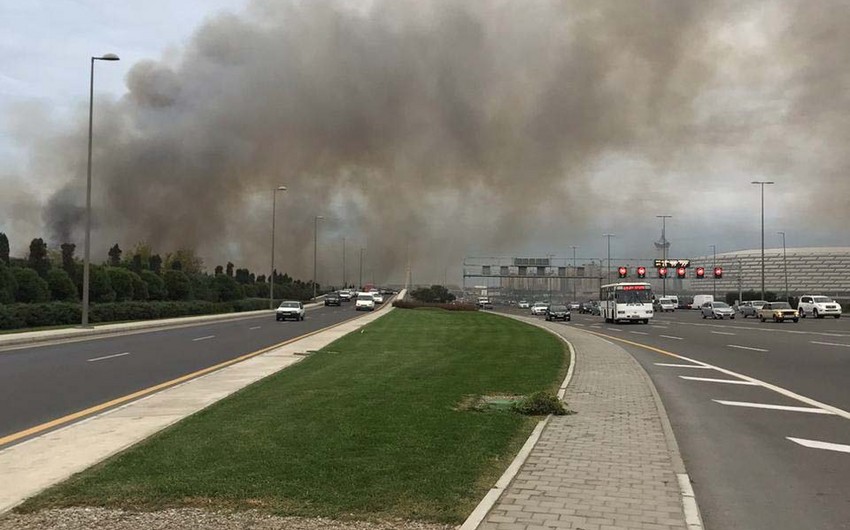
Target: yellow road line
141,393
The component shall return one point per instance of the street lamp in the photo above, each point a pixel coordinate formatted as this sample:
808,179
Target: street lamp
87,251
315,249
574,247
360,287
271,269
785,263
713,268
664,249
762,183
609,236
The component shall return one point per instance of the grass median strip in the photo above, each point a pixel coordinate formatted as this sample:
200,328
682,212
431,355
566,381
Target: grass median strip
371,427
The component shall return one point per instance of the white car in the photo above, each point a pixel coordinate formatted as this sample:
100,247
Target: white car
539,308
378,298
523,304
818,306
345,295
290,309
364,302
665,304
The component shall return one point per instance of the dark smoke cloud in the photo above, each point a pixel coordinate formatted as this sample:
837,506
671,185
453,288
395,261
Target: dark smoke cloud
449,127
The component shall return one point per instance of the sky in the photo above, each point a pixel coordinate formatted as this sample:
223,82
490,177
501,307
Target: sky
429,130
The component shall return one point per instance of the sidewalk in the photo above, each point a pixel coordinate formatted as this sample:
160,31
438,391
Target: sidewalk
613,465
35,464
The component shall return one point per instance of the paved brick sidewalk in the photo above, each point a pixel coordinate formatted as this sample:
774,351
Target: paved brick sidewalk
608,466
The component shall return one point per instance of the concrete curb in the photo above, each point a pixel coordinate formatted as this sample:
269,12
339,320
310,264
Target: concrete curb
492,497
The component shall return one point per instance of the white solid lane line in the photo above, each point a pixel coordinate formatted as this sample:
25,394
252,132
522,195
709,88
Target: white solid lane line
772,407
673,365
722,333
671,337
255,327
108,357
814,444
745,348
204,338
830,343
710,380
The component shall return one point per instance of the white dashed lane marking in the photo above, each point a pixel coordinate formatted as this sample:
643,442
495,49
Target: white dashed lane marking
722,333
255,327
108,357
638,332
810,410
727,381
830,343
204,338
673,365
746,348
814,444
671,337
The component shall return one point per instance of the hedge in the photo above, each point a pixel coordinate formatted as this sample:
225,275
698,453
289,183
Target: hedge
16,316
451,306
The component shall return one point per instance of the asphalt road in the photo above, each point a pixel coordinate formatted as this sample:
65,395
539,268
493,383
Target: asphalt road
39,384
747,471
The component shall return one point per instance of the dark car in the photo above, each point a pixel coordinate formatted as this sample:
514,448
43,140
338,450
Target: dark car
333,299
558,312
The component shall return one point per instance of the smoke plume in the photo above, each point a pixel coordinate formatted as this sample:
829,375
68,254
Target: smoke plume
434,129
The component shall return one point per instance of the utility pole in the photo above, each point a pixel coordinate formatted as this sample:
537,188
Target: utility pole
315,250
360,287
664,250
575,273
344,283
609,236
714,276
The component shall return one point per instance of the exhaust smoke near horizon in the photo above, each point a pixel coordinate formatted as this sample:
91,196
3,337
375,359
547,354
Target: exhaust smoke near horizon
435,129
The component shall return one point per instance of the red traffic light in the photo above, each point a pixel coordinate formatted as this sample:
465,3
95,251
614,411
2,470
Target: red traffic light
641,272
700,272
623,272
680,272
718,272
662,272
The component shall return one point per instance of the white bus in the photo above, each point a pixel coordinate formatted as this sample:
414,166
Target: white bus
626,301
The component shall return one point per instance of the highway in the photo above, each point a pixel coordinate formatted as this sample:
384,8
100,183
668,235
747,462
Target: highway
42,383
761,413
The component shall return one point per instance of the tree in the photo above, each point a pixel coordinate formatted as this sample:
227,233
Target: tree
115,255
229,270
136,263
68,264
190,263
176,265
201,285
177,286
38,260
61,286
8,284
219,270
32,288
156,264
227,289
100,286
155,285
243,276
4,249
121,281
261,278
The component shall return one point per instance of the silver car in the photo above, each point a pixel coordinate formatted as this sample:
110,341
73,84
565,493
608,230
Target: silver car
717,310
750,308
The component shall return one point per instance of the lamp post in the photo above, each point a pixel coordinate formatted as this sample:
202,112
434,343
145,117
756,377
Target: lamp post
271,269
664,250
714,266
87,251
360,286
315,249
784,263
344,285
762,183
609,236
575,273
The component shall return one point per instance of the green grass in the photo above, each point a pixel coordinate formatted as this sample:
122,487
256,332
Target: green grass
366,428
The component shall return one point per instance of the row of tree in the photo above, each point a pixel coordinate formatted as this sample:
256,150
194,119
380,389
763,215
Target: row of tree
46,275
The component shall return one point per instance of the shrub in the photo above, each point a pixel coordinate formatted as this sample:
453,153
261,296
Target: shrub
156,286
61,286
227,289
140,288
413,304
540,403
100,286
177,286
31,288
121,281
8,284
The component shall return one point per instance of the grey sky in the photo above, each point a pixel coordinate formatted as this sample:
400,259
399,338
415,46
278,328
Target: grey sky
481,128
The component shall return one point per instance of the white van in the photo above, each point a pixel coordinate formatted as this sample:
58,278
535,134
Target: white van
700,299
